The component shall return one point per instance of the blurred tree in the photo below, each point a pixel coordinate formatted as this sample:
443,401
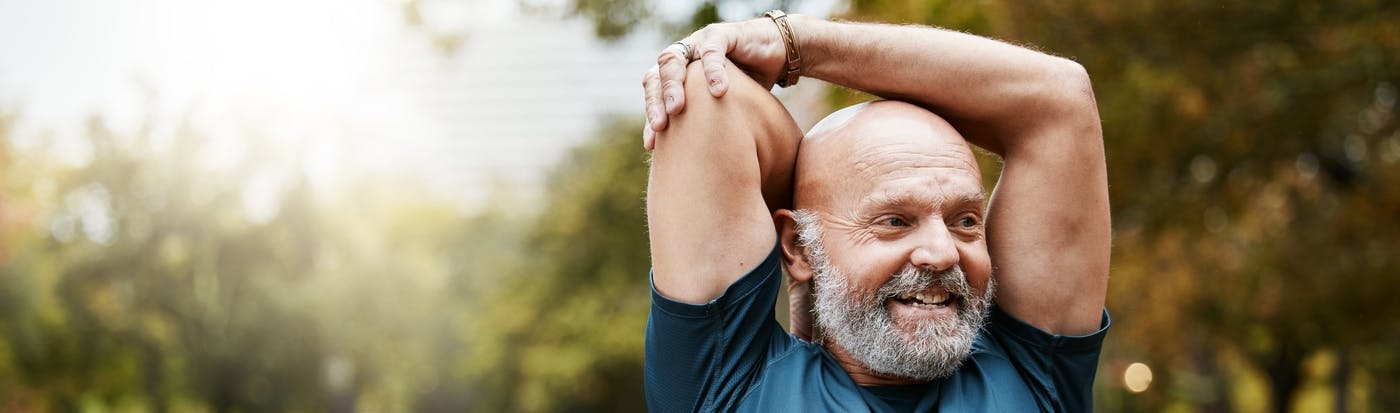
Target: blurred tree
145,279
151,282
1250,147
614,19
563,333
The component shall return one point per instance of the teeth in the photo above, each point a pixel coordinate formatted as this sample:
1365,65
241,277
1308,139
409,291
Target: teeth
924,298
938,298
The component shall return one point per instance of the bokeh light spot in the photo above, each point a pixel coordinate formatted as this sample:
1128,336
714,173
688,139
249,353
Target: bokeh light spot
1137,377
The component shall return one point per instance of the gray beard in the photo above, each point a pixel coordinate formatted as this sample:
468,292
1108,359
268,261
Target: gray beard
861,323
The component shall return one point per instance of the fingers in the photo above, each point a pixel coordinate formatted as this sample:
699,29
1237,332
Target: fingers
671,67
664,84
713,60
655,111
648,138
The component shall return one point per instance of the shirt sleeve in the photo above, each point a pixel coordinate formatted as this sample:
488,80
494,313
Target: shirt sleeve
1060,368
705,357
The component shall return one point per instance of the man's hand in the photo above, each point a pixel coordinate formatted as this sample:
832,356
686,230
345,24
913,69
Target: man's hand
754,46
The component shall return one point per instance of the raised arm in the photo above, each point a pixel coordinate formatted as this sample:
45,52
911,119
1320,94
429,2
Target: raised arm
1048,222
716,174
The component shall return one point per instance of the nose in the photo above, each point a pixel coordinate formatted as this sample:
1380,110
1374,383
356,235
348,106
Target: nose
935,249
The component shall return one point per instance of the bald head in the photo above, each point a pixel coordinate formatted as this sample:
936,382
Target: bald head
847,154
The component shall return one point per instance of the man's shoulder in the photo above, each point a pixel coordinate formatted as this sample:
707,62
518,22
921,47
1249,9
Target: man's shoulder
1030,369
792,357
989,380
802,377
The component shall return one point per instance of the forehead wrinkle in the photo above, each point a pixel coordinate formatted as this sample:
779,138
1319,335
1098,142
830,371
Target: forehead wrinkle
895,158
931,197
905,198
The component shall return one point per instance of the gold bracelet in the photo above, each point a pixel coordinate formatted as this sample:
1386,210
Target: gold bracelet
793,71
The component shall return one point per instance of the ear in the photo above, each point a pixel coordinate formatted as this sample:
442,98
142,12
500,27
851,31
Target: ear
794,255
799,272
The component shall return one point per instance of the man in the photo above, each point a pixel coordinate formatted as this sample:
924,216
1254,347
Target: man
883,212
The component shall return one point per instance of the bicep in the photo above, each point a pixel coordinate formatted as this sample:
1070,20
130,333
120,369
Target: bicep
708,219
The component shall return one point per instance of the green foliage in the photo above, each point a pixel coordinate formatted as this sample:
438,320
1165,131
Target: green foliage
147,276
566,332
612,18
139,280
1249,174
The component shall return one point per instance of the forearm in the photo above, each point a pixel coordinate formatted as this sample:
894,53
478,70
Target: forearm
997,94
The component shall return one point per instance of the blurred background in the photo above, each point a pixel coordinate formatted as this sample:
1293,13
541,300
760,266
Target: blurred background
436,205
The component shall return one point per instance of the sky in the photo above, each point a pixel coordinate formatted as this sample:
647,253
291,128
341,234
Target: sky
334,84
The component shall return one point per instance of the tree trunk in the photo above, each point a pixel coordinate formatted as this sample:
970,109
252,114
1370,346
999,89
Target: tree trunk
1214,396
1284,372
1341,384
153,377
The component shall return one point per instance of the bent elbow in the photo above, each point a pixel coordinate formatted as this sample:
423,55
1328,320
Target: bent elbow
1073,87
1072,96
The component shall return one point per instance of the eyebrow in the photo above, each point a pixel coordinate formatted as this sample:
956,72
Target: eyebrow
974,198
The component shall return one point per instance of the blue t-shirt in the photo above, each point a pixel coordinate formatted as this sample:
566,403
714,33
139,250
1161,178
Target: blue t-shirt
732,355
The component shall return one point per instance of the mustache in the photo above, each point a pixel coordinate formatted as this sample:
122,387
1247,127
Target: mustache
911,279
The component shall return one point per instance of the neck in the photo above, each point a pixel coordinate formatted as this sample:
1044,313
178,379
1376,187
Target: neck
860,374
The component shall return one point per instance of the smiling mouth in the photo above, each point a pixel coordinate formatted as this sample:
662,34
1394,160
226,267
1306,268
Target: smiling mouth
924,299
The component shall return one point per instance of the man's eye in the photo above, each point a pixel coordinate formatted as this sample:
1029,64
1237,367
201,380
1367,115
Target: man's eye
967,222
896,222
